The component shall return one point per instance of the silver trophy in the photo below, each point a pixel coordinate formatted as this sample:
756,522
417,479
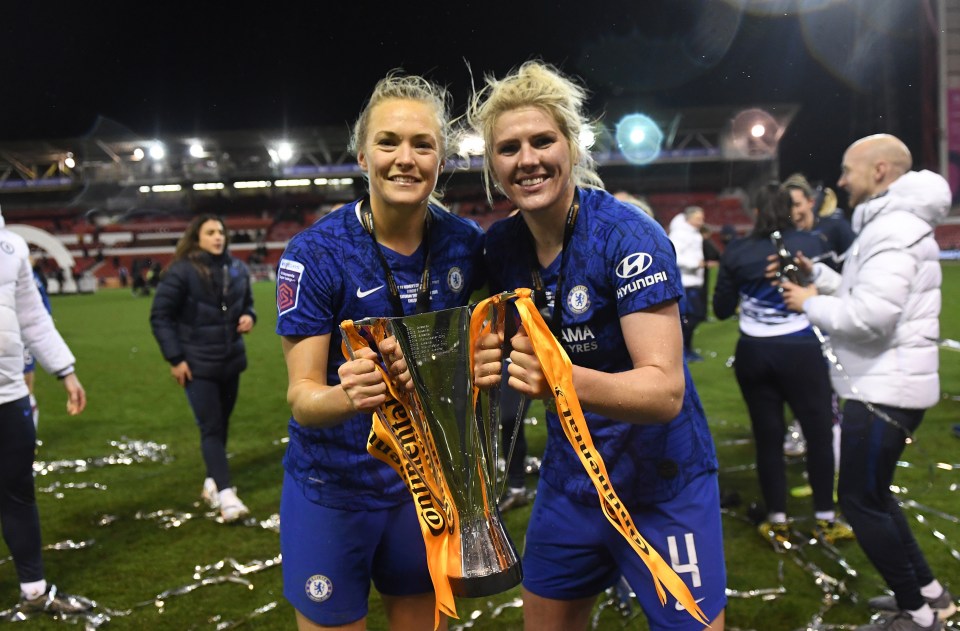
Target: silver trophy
450,442
788,267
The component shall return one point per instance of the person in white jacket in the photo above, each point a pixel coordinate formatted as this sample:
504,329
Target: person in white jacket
882,317
688,242
25,321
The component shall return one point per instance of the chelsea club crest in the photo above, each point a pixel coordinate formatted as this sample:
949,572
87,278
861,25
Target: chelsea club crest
455,279
319,588
578,300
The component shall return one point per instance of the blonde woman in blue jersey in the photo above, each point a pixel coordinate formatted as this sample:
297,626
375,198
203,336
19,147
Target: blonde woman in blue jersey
610,288
347,518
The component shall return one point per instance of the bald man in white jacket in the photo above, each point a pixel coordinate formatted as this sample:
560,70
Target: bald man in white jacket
882,316
24,320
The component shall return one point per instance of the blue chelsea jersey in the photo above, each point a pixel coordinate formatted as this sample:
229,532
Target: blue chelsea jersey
618,261
742,282
331,272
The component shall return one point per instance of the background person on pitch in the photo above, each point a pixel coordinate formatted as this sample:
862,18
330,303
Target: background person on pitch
25,321
688,242
29,362
882,314
202,309
779,362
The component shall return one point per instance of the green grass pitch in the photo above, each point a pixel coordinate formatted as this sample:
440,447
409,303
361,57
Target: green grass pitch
130,553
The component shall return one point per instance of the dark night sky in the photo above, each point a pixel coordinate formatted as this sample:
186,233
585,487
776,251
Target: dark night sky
175,67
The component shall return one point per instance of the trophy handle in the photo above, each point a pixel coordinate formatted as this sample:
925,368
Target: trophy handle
489,316
506,323
518,419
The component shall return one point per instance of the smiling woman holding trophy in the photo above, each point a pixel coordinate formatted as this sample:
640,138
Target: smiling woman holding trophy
346,517
631,488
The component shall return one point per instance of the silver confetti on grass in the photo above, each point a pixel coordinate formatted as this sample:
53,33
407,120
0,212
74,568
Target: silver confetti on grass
127,452
106,520
239,569
94,617
172,518
912,504
921,518
833,589
66,544
492,610
236,575
271,523
56,487
233,624
160,600
619,599
167,517
765,593
90,620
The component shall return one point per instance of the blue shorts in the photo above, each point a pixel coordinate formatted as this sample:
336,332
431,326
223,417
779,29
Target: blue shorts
572,551
330,556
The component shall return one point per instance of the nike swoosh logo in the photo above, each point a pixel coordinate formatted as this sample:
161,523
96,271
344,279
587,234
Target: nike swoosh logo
363,294
680,607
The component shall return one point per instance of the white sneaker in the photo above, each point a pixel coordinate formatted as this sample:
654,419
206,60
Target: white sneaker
231,508
209,494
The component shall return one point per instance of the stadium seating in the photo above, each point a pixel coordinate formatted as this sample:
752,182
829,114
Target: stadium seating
259,232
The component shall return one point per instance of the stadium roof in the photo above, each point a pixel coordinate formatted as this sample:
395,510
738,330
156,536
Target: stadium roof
700,149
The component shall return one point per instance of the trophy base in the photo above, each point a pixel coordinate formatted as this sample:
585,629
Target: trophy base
481,586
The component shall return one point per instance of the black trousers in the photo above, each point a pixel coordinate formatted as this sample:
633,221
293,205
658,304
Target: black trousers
19,517
788,369
869,450
212,401
693,309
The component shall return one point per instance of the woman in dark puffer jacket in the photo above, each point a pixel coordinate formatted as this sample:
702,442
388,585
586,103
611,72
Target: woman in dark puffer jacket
202,307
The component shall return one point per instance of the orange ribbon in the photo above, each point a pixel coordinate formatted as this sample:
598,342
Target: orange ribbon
393,433
558,371
430,491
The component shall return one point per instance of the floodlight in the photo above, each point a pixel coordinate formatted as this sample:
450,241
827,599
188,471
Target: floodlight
157,150
471,145
753,133
639,138
587,138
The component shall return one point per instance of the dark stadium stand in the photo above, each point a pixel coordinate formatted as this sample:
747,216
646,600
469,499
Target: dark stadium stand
259,233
